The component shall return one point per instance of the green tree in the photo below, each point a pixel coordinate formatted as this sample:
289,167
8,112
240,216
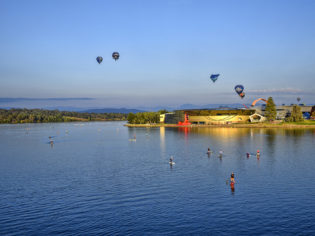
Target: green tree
296,114
271,111
162,111
131,118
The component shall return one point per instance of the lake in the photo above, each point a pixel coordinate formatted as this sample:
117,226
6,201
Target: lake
95,179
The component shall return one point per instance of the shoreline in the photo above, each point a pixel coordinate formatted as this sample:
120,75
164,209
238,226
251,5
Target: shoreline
256,125
72,121
281,125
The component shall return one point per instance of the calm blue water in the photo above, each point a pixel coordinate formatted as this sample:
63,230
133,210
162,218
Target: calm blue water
94,181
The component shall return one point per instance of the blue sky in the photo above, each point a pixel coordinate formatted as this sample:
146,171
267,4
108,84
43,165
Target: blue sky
168,50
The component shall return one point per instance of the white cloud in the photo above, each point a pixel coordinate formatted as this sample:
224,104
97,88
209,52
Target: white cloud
275,91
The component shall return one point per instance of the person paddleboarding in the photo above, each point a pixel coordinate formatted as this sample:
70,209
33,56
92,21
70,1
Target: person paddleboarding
258,154
220,153
171,161
232,180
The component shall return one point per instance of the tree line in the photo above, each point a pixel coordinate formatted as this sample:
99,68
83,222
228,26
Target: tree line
14,116
271,112
145,117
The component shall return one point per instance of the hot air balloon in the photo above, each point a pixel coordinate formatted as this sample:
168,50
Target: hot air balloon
239,89
214,77
99,59
115,55
242,95
298,99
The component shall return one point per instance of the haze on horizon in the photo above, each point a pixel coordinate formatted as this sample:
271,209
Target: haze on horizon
168,51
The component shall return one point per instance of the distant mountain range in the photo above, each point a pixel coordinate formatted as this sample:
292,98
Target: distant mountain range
138,109
212,106
146,109
113,110
86,110
193,106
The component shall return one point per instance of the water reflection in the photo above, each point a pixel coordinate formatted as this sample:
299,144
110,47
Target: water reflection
243,140
270,135
295,135
132,131
237,136
162,139
185,131
295,132
222,133
229,133
225,132
232,189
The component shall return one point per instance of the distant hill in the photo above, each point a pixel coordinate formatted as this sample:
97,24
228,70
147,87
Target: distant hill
193,106
131,110
112,110
212,106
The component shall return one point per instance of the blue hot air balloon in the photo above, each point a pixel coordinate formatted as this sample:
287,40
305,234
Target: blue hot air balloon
99,59
115,55
214,77
239,89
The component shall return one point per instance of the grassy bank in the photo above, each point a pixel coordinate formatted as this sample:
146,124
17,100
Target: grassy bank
303,124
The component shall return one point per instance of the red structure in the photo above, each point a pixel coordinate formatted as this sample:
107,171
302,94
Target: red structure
257,100
186,121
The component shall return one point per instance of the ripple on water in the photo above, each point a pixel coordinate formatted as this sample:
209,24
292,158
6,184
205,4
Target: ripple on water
94,181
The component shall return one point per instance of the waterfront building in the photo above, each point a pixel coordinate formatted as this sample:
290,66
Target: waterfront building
209,116
230,115
284,111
